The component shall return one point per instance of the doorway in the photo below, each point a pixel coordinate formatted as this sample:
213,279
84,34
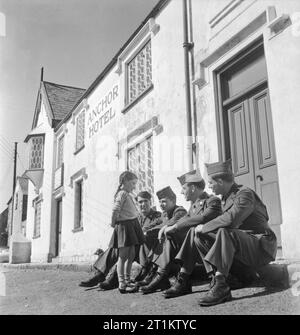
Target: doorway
58,227
246,129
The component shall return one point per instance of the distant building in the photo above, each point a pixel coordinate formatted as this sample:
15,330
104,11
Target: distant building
156,112
20,205
3,228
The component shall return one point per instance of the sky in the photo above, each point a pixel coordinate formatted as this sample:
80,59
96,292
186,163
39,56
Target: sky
72,39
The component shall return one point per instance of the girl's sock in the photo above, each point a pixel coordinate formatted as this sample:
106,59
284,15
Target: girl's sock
122,283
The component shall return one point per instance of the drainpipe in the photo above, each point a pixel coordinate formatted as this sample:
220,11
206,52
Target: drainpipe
186,47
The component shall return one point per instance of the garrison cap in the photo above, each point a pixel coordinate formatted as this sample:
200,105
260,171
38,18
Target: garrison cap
165,193
144,194
193,176
219,167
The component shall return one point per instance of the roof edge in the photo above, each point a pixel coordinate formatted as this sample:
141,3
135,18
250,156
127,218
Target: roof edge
158,7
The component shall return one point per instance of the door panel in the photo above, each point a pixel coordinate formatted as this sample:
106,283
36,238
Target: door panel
241,152
253,151
58,227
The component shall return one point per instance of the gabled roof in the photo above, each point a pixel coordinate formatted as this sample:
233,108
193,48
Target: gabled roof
62,98
59,99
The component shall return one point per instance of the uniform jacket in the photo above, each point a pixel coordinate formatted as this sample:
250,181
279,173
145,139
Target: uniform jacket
200,212
243,209
153,219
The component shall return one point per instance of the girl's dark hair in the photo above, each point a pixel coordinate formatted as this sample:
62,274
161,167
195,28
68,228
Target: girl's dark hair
125,176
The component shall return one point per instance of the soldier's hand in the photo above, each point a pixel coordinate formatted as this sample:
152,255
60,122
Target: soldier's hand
198,229
160,235
170,230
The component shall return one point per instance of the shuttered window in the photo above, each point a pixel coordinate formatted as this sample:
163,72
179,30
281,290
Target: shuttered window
80,125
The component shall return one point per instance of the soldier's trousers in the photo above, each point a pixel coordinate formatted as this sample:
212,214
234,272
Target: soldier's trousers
106,260
165,253
144,254
218,250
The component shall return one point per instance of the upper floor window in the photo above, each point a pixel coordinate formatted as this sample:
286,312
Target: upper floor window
60,151
36,160
80,127
139,73
16,200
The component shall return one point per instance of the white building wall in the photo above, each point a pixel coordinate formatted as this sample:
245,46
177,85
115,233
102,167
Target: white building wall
41,245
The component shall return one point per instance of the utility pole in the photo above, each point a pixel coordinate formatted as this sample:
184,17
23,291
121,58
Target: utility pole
14,186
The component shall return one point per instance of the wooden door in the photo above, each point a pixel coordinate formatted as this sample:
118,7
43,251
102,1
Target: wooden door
58,227
252,150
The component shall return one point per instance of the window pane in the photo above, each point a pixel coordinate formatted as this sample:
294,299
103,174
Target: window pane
36,153
140,161
80,130
60,151
37,220
139,72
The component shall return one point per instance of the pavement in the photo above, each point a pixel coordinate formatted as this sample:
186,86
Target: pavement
53,289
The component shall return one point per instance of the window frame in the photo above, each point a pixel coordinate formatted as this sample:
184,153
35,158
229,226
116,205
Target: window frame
78,205
134,146
128,103
60,163
37,206
77,147
42,153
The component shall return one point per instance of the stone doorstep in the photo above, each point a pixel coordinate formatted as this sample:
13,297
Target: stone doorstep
281,273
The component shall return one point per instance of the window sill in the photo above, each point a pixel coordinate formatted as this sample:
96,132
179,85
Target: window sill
35,237
76,230
140,97
78,150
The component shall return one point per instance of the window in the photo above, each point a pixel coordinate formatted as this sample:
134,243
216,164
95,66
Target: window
16,200
80,121
78,205
37,219
60,152
24,207
139,73
140,161
36,153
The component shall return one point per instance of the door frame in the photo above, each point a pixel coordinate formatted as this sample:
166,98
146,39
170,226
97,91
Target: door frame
56,241
223,139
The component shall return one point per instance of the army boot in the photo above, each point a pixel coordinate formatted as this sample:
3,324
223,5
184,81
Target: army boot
98,278
111,282
219,292
147,280
181,286
159,282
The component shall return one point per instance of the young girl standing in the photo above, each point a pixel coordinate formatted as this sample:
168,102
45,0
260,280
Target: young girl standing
127,230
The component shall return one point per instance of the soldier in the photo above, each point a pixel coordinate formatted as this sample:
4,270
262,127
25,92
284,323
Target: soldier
105,265
203,208
171,214
241,233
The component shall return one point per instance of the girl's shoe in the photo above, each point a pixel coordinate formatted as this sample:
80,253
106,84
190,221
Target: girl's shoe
122,288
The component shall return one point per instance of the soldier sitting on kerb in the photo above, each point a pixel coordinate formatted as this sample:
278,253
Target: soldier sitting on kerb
171,213
241,233
203,208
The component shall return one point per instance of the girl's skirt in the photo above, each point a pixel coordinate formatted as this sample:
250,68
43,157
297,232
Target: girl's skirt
127,233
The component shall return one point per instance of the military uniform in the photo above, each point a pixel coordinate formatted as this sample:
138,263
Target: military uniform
150,225
242,232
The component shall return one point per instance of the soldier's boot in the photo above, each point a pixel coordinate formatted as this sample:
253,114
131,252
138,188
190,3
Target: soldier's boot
143,273
95,280
219,293
148,278
181,286
159,282
111,282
